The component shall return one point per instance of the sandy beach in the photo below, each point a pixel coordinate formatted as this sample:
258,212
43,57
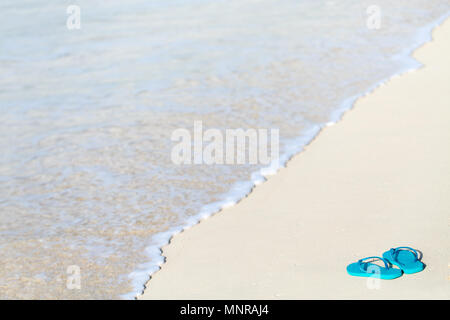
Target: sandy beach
377,179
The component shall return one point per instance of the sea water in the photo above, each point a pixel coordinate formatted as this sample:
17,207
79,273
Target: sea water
88,190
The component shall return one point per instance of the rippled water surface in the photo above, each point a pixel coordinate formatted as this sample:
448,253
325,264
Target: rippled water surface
87,115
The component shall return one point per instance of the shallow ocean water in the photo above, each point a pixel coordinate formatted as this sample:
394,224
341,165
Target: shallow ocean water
87,117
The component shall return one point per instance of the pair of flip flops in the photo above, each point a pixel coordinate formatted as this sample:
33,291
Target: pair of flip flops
406,258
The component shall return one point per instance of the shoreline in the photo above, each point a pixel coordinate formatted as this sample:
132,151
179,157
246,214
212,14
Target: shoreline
296,146
177,239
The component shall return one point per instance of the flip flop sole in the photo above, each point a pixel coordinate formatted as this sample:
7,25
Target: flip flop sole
406,261
373,270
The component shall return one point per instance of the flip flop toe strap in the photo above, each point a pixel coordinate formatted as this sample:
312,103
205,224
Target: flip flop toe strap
362,263
396,251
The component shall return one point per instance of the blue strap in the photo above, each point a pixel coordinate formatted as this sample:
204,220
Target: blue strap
396,251
360,261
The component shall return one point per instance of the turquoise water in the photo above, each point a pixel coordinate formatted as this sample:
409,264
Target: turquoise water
87,117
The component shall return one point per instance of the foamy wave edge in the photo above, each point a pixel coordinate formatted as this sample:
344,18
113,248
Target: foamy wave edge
143,274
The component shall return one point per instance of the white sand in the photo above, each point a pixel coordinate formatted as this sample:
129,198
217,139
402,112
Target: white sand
377,179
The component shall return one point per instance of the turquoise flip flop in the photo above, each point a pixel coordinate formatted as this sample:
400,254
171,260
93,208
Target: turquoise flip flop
405,258
368,269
